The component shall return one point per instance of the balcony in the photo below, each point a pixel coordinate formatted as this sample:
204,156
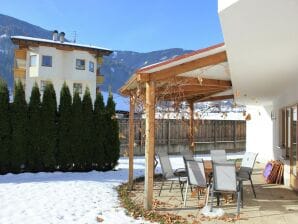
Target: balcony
20,54
19,73
100,79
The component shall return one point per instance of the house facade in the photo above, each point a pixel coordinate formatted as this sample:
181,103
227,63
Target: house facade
262,50
41,61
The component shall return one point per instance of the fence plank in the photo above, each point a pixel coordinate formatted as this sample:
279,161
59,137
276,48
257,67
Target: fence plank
172,132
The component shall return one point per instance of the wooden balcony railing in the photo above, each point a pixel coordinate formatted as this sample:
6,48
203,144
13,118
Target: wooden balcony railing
20,54
19,73
100,79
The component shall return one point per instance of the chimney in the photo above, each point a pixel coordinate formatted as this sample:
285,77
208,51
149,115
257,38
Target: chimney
55,35
61,37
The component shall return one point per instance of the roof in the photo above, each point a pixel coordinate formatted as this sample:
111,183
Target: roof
197,76
182,58
41,41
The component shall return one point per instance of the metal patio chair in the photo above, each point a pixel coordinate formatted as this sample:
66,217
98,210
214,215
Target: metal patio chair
187,154
195,176
246,168
225,180
168,174
218,155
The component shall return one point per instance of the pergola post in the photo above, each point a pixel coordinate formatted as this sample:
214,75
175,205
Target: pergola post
191,127
149,143
131,141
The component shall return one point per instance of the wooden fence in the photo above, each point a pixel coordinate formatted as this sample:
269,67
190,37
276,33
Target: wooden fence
172,135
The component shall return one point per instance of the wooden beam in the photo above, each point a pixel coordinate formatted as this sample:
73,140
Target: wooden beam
184,67
195,96
191,127
131,140
204,81
216,98
125,89
149,144
186,88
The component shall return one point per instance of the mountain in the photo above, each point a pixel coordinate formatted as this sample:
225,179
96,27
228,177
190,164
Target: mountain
117,68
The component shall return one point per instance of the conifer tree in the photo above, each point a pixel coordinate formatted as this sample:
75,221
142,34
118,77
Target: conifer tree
76,132
35,145
64,155
19,133
88,127
5,128
49,127
99,138
112,144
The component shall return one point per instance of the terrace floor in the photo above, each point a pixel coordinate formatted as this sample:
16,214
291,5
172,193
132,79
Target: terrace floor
274,203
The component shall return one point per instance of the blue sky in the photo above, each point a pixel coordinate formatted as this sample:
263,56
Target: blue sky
136,25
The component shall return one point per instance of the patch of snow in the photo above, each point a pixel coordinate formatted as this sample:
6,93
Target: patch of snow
114,54
3,51
112,69
66,198
163,58
58,42
122,103
3,36
216,212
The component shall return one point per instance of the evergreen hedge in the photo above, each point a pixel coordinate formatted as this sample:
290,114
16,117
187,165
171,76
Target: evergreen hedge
33,157
36,137
64,155
100,129
5,128
19,124
49,128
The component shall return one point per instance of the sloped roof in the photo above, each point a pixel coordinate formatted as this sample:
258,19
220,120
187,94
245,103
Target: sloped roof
40,41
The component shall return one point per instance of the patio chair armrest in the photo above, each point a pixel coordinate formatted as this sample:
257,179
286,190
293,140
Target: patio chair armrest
180,172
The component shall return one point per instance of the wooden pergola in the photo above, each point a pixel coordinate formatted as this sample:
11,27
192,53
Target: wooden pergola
199,76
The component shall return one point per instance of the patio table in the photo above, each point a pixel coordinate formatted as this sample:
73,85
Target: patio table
208,167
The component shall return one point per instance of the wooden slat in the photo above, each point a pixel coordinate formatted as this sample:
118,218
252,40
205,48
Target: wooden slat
131,141
185,67
100,79
194,96
19,73
20,54
204,81
191,127
149,144
186,88
215,98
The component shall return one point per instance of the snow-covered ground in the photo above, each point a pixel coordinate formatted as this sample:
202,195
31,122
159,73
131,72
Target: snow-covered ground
68,197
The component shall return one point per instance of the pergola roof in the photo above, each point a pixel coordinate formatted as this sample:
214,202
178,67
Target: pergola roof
202,75
198,76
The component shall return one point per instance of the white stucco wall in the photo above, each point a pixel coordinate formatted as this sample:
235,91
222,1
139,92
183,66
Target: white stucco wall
259,129
223,4
287,98
261,43
63,70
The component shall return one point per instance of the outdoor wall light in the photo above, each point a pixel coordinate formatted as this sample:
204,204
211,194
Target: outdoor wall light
273,115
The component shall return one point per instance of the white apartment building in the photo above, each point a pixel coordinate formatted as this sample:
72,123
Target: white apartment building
42,60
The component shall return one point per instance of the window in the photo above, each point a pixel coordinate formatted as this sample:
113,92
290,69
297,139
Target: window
91,66
80,64
77,87
43,85
33,60
46,61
